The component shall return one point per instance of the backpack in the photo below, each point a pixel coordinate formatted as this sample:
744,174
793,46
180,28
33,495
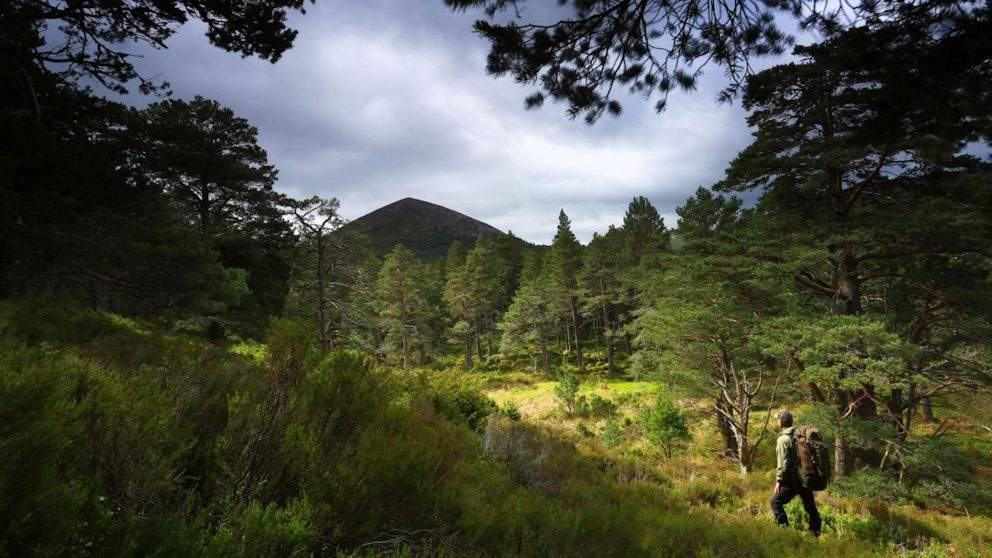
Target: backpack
814,457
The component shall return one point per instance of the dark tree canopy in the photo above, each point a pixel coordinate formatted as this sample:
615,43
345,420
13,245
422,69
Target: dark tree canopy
650,47
88,39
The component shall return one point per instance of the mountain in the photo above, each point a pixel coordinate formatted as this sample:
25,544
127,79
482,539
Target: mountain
426,228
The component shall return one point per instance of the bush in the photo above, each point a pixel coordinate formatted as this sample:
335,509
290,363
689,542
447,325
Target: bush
466,406
665,425
612,433
510,411
601,407
871,484
567,392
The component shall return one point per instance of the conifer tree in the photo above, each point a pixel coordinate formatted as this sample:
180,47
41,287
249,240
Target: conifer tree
868,199
457,298
564,262
600,283
401,298
483,288
643,229
529,321
705,216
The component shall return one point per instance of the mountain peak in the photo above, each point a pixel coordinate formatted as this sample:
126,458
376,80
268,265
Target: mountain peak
426,228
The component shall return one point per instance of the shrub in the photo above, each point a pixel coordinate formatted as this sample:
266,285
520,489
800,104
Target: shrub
601,407
272,530
714,494
466,406
567,392
612,433
510,411
665,425
871,484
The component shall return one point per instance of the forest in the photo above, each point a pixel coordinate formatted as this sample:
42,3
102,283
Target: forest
194,363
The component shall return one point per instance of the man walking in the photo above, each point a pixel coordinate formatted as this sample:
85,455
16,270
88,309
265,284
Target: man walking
788,483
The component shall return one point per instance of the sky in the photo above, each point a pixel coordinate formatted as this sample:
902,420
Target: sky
384,99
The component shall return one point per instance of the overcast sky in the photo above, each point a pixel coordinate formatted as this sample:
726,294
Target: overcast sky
384,99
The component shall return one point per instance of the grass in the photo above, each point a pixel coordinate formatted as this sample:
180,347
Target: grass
556,485
705,480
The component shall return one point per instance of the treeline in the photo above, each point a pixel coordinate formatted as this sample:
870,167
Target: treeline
167,211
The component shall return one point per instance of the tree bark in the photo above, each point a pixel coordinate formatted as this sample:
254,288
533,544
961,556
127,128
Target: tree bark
926,409
843,463
730,447
610,367
575,327
468,349
847,299
545,359
325,341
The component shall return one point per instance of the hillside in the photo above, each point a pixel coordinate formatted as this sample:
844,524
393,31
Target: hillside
426,228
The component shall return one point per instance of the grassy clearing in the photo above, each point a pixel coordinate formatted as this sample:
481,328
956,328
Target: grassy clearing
700,477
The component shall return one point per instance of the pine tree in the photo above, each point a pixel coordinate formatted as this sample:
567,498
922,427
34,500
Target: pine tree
868,199
600,283
529,321
563,266
644,230
705,216
457,298
401,298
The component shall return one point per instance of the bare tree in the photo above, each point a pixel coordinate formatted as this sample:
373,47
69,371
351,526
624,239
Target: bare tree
316,220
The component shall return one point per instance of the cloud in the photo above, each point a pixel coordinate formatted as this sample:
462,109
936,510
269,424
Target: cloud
380,100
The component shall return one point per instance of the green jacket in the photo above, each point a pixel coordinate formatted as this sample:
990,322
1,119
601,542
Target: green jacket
787,468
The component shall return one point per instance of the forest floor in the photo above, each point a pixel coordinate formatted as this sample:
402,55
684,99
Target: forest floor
705,478
538,476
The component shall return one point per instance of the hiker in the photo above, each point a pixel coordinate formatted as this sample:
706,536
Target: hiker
788,483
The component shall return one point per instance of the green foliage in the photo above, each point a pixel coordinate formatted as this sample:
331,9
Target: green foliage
401,296
665,425
612,434
510,411
874,485
567,392
469,407
271,530
295,453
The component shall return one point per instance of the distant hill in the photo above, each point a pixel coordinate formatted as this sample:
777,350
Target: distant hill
426,228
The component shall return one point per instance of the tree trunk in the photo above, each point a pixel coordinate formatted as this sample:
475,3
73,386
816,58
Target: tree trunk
607,334
94,295
908,408
926,409
842,458
817,393
468,349
726,431
575,328
478,347
843,463
203,208
406,352
545,359
847,299
325,342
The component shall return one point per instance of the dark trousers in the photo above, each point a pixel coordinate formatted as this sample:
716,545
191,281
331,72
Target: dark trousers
785,495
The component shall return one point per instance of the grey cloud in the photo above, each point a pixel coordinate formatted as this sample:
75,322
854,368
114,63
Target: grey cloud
380,100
